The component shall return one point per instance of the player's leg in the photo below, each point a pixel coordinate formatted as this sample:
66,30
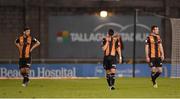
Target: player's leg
28,65
27,69
112,77
158,65
22,70
153,72
106,68
158,73
108,77
25,73
158,68
113,71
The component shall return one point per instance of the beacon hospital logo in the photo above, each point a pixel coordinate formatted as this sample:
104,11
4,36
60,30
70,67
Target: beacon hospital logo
95,36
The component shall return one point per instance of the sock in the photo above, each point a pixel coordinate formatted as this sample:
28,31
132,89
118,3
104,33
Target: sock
108,79
26,78
153,77
156,75
112,78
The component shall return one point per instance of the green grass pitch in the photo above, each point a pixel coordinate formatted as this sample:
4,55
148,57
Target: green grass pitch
90,88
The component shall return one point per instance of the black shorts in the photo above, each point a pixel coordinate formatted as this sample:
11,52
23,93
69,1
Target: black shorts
24,62
109,62
155,62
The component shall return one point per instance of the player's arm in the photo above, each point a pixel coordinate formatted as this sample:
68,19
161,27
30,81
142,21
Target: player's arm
105,44
121,43
119,54
162,51
147,50
119,51
37,43
147,53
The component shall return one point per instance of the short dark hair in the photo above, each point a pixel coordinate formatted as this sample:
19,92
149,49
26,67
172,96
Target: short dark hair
154,26
111,31
26,28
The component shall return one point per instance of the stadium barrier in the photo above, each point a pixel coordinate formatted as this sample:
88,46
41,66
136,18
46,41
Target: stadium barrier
54,71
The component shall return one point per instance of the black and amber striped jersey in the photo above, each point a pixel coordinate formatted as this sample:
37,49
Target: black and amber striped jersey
154,41
112,46
25,43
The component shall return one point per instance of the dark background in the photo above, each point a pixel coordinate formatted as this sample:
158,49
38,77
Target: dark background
16,14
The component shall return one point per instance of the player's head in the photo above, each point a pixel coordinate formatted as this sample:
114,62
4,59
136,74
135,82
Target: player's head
155,29
110,32
27,31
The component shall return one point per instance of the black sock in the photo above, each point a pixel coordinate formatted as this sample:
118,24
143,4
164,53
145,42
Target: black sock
108,79
153,77
112,78
156,75
26,78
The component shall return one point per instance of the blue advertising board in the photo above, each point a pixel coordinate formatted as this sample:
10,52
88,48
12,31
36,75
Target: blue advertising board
79,70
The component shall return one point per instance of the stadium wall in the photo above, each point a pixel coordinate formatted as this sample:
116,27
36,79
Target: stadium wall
15,14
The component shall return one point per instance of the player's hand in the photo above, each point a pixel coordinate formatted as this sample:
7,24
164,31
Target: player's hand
162,57
147,59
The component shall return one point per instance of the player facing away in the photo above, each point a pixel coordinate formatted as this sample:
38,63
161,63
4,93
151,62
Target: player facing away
154,54
25,44
110,48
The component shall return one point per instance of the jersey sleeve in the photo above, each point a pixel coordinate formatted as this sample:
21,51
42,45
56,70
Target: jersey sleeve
159,40
17,40
147,41
103,42
34,40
